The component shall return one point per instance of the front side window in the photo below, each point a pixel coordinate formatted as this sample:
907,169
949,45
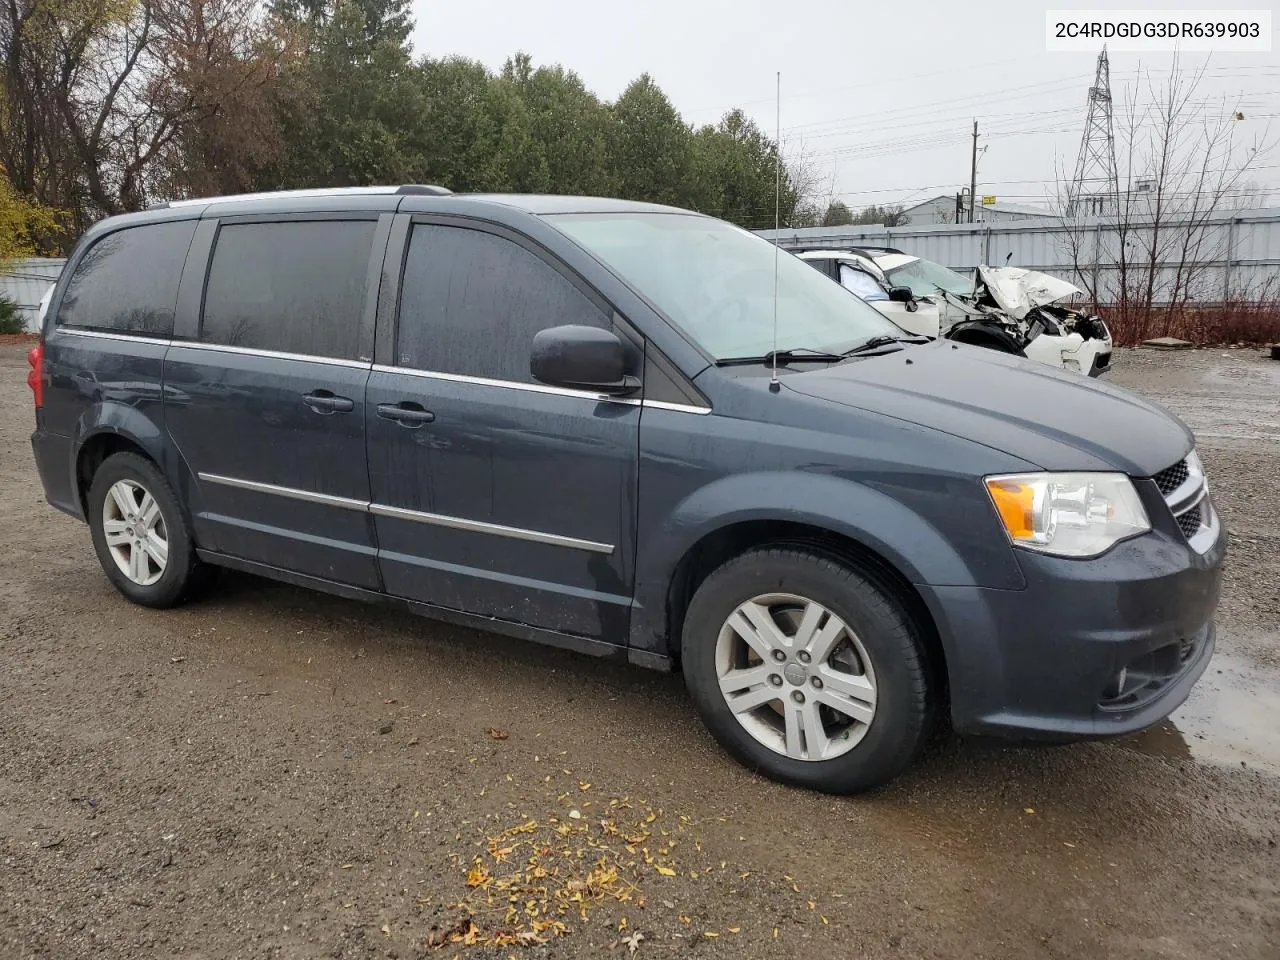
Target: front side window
861,283
472,301
291,287
128,281
716,283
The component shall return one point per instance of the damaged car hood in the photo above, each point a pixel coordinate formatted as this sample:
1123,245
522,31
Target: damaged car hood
1017,291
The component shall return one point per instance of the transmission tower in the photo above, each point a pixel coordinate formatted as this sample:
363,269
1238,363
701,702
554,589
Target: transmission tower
1096,184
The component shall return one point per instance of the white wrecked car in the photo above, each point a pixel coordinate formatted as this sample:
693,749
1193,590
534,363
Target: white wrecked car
1002,308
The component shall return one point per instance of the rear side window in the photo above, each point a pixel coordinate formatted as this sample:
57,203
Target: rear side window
471,303
127,282
293,287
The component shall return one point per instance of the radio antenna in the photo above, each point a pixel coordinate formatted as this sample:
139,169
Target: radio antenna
777,225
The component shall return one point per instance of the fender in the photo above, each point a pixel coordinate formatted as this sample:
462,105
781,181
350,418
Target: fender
107,416
863,514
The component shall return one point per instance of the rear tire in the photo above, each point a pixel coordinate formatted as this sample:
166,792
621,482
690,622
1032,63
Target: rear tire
824,639
140,535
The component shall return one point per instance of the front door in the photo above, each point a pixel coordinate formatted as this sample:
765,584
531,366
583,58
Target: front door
492,494
267,405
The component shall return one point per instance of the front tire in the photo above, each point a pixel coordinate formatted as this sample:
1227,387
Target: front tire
807,671
139,533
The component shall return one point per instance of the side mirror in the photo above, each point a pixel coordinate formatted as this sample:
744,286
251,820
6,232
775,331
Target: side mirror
901,294
581,358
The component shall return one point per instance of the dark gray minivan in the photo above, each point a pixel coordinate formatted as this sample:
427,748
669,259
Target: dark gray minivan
600,425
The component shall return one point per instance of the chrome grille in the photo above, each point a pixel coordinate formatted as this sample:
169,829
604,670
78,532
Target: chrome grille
1190,522
1185,490
1172,478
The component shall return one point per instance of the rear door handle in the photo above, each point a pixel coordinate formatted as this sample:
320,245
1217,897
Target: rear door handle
406,413
325,402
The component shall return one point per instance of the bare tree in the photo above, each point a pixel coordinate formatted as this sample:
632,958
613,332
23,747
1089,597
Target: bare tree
814,190
101,95
1142,248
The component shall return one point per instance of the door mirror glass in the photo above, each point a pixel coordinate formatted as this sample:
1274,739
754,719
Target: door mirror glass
901,294
582,358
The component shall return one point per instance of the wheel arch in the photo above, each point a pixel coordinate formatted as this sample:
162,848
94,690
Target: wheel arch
978,333
721,545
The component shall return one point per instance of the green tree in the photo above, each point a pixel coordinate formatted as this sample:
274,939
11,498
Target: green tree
569,130
838,214
650,149
737,174
346,100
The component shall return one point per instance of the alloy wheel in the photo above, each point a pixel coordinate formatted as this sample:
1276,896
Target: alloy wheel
135,532
796,676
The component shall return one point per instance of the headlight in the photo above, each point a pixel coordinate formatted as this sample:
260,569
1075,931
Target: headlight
1068,514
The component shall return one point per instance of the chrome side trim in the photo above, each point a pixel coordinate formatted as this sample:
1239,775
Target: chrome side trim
478,526
271,354
291,493
402,513
677,407
103,335
508,384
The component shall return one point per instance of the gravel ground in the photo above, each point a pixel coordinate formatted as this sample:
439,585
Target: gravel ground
273,773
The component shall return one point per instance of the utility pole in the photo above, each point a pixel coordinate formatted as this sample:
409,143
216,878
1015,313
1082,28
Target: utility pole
973,173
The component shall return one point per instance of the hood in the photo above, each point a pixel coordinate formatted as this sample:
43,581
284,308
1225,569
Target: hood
1019,291
1050,418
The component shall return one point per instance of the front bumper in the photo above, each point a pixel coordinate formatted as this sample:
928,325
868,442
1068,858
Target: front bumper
1044,662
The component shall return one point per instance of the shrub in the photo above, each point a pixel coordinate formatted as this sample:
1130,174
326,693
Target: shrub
11,319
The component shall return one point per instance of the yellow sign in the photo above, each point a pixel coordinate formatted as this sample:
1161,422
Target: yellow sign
988,200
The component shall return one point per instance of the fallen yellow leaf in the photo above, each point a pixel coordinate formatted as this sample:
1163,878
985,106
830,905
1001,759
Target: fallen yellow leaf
710,933
665,871
1028,810
735,929
825,920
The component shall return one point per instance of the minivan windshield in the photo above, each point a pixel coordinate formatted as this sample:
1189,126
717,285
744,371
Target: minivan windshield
715,282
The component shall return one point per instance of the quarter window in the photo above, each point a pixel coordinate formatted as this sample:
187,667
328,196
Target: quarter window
472,301
127,282
293,287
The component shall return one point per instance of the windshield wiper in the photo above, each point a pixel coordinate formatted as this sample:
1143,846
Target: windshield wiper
882,341
782,357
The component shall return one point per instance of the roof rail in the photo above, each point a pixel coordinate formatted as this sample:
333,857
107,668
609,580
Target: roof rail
409,189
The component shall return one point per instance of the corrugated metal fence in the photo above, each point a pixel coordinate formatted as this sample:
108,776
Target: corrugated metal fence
26,281
1236,251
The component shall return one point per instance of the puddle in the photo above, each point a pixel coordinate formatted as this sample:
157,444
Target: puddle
1231,717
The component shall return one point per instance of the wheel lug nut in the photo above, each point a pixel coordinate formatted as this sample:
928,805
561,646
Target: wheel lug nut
804,656
798,697
817,683
775,679
779,655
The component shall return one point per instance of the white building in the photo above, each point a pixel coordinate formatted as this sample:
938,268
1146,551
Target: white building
942,209
26,281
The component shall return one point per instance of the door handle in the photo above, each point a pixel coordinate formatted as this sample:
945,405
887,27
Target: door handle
325,403
406,413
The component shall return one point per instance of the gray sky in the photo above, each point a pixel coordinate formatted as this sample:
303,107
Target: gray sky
881,95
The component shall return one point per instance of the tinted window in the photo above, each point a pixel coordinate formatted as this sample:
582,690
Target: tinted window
472,301
296,287
128,281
